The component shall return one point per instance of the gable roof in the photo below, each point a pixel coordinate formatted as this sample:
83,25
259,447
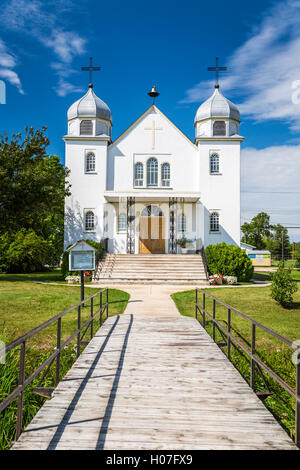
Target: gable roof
86,242
142,116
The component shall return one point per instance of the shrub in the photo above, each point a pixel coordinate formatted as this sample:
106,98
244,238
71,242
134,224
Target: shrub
24,251
283,286
229,260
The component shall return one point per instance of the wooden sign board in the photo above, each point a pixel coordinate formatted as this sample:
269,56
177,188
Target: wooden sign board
81,257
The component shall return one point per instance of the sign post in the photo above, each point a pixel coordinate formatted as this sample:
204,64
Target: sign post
81,258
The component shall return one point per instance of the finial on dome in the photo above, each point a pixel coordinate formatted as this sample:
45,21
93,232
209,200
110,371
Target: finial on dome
153,93
217,69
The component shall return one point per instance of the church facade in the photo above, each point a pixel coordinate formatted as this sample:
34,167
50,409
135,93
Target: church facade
152,190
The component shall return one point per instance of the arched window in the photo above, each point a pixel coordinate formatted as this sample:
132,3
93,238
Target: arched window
165,174
214,163
122,222
89,221
182,223
139,174
152,211
152,172
214,222
219,128
86,127
90,163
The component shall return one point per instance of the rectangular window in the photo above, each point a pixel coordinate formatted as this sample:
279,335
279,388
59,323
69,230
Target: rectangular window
90,163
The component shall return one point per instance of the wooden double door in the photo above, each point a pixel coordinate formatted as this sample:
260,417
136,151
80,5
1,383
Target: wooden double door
152,234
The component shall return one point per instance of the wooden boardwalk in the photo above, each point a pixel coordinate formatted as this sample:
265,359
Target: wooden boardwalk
153,383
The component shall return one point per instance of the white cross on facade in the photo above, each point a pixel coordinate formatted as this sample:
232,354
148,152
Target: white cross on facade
153,129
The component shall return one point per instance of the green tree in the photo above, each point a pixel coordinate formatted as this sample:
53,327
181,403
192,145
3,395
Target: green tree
257,231
32,192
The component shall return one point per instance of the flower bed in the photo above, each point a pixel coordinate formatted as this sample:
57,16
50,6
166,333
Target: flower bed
72,279
216,279
230,280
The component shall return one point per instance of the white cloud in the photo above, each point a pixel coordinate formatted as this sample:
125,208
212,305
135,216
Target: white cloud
270,182
45,22
63,88
7,63
66,45
264,68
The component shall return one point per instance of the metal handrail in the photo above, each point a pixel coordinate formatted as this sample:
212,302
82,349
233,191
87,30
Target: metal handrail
204,259
21,341
251,353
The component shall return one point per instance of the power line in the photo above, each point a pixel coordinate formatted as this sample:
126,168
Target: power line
270,192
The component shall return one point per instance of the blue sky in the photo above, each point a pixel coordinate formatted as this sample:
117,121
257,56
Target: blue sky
43,44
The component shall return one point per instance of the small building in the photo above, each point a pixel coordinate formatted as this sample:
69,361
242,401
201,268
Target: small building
246,246
259,257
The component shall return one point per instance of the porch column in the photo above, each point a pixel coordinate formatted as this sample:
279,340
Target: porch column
130,225
172,225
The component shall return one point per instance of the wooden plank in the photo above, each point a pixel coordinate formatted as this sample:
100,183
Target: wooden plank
159,383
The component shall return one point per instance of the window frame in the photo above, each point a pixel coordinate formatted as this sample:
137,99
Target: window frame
165,180
181,223
211,171
149,173
87,154
86,120
86,213
212,223
141,165
225,129
124,230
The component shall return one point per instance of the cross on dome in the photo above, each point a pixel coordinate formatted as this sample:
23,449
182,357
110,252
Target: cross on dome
217,69
91,69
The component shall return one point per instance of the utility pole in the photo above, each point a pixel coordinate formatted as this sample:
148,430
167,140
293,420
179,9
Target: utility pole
293,255
282,247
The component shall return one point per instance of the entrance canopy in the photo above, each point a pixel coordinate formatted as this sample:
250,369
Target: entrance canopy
150,196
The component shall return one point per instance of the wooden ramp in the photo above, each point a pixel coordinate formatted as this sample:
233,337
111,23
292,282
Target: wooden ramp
153,383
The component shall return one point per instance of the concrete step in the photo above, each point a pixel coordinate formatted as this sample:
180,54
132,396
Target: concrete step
194,282
151,268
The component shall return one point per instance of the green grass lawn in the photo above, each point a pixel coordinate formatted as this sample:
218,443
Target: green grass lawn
289,263
25,304
253,301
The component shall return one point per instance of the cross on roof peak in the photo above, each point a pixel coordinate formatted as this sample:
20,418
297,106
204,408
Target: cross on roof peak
91,69
217,69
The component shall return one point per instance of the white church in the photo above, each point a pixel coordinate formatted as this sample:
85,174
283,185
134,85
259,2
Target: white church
153,190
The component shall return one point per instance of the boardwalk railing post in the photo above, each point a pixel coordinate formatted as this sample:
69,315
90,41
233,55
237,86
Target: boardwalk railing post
58,344
101,308
196,307
228,330
92,313
204,319
252,374
21,394
214,317
78,326
297,411
107,303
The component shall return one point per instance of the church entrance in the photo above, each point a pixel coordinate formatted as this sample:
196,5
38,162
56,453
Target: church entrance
152,231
